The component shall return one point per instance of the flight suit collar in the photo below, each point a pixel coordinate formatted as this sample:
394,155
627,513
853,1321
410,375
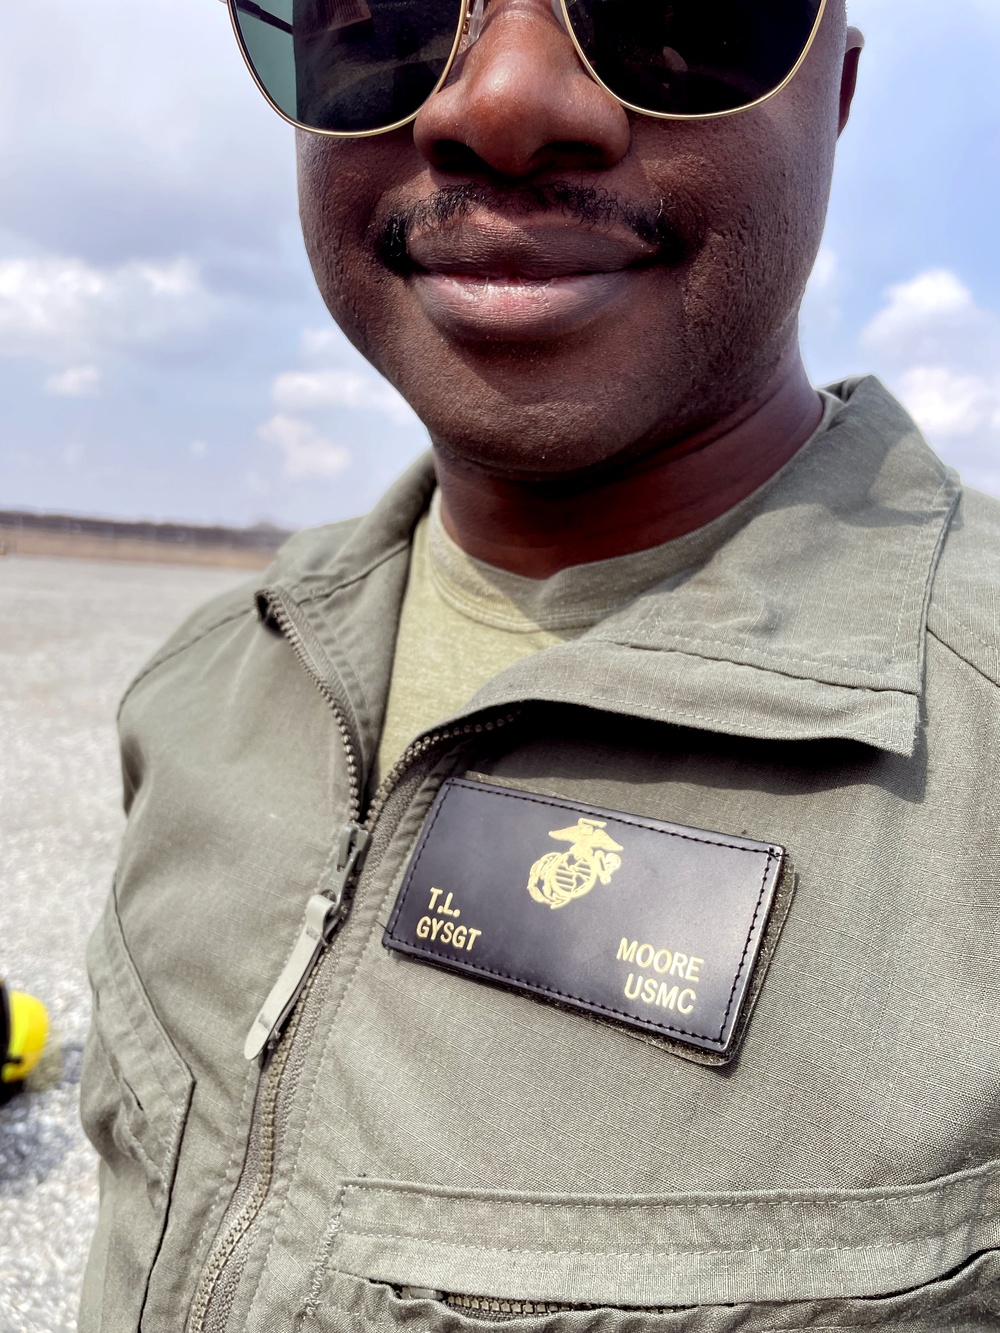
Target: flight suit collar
800,616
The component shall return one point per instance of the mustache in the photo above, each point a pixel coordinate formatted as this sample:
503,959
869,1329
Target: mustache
654,225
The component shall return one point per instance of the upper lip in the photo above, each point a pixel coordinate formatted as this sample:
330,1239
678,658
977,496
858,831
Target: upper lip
490,246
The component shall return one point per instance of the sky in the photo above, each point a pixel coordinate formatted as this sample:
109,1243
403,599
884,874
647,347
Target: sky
164,353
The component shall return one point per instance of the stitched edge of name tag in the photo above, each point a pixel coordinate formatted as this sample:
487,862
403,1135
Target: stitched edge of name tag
770,853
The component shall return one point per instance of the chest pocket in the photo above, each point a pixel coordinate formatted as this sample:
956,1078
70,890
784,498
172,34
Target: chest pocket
134,1096
919,1258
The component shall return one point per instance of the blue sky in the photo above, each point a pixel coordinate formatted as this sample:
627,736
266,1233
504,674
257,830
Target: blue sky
163,352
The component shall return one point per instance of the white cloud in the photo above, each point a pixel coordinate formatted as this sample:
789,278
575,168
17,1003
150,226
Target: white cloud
950,405
306,390
821,312
74,382
932,316
940,351
322,342
826,270
306,452
929,10
307,398
55,304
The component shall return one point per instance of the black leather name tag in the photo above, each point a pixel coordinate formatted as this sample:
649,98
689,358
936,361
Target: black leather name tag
663,928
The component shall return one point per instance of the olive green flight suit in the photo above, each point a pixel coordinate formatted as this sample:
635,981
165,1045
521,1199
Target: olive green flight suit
424,1152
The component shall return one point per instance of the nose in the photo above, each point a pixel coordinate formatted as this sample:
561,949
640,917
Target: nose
519,103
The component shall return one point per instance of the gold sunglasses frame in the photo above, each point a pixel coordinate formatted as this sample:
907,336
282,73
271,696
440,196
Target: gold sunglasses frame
465,12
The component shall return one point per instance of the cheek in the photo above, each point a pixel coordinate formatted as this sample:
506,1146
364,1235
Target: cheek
340,185
761,184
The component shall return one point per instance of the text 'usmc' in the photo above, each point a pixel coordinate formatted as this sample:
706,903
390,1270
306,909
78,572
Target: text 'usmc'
666,964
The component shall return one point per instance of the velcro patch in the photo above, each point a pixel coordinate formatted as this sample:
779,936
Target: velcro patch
662,928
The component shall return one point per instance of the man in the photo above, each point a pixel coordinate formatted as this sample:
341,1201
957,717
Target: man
568,894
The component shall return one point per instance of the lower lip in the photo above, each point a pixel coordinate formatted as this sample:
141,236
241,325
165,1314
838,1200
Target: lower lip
518,310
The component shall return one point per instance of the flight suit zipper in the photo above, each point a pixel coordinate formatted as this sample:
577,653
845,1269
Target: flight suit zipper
501,1309
273,1032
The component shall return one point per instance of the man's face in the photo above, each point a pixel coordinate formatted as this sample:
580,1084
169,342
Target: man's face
556,284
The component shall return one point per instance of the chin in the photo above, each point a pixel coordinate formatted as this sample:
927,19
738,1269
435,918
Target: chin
530,411
534,445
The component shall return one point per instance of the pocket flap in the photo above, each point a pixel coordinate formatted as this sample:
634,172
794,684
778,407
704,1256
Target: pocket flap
135,1087
680,1250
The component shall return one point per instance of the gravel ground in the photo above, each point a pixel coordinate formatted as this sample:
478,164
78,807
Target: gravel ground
72,634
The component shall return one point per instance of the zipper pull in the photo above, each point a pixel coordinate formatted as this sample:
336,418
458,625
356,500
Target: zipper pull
318,926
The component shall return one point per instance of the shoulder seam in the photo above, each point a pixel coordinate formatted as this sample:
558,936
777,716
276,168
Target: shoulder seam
974,666
161,658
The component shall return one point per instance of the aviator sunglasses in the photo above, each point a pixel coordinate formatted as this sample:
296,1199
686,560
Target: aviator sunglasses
359,67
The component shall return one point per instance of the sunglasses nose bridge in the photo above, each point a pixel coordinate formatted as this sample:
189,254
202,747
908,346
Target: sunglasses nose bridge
474,20
476,16
560,15
564,119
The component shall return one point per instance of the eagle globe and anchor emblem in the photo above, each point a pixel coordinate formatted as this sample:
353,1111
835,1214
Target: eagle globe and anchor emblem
557,878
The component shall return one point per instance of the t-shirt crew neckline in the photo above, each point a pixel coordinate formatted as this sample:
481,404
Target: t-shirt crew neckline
579,597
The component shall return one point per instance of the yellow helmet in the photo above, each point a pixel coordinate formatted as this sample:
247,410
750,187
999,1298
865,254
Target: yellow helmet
24,1028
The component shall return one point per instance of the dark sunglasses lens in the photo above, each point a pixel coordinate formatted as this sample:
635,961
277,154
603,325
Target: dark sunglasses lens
348,65
693,57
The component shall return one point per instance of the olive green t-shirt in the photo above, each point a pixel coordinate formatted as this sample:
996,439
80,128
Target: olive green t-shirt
463,621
